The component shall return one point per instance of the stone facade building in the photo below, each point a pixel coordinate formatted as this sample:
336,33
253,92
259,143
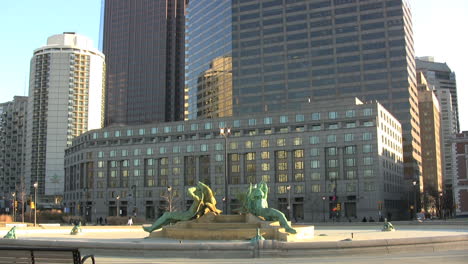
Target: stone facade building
331,160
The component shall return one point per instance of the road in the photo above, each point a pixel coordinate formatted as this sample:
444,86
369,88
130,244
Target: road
447,257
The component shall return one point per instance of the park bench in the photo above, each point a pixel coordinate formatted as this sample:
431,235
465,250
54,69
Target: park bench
30,255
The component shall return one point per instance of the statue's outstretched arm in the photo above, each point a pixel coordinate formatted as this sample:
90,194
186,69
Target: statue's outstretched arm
264,188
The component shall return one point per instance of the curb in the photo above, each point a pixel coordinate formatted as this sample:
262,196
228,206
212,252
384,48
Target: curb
263,249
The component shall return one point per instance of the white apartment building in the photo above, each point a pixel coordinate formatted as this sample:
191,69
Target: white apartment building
65,100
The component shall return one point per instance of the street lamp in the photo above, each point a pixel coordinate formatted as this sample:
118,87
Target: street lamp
169,197
35,202
440,205
225,132
414,198
323,207
118,205
289,202
13,194
134,200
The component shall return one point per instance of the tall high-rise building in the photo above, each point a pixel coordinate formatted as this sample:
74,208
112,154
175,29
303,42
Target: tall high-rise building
441,80
12,143
66,88
440,76
429,111
143,41
286,54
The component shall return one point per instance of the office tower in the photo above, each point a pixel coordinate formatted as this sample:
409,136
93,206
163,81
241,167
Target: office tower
144,46
442,81
460,176
286,54
12,143
66,88
429,111
440,76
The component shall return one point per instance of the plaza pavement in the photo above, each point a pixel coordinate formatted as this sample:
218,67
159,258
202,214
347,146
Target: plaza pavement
335,239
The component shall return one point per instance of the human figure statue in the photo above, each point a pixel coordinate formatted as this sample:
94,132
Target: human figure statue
209,200
203,201
76,229
11,234
257,205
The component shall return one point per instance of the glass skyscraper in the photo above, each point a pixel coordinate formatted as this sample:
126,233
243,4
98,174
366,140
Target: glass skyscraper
289,53
144,45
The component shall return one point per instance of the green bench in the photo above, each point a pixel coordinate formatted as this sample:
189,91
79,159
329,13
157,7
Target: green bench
30,255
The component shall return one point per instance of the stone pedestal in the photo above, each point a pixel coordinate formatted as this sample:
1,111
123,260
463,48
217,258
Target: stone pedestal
228,227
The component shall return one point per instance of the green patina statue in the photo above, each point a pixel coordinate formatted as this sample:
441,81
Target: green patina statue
256,204
203,202
388,226
11,234
76,229
257,238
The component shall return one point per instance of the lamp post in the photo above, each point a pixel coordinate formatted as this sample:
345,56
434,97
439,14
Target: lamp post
289,202
35,202
169,197
323,207
440,205
13,194
414,198
118,205
134,200
225,132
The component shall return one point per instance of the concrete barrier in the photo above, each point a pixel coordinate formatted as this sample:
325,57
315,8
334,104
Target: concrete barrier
244,249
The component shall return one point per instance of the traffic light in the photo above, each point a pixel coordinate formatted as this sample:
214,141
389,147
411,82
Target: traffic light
338,207
33,206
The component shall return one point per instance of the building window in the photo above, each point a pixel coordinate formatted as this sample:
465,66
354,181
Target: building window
283,119
194,127
208,126
315,176
350,113
332,115
267,120
237,123
314,152
350,175
299,153
162,150
233,145
332,163
367,136
204,147
332,151
368,161
315,164
297,141
265,166
141,131
299,118
265,155
332,175
367,112
249,144
280,142
252,122
250,156
314,140
367,148
265,143
315,188
154,130
331,138
368,173
315,116
350,162
349,137
349,150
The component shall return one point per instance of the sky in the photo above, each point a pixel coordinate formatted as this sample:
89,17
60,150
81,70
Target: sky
438,28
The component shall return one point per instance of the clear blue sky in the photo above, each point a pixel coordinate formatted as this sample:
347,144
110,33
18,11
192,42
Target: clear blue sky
439,30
